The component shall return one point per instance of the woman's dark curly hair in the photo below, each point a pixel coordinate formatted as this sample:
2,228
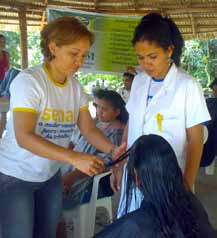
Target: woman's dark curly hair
115,100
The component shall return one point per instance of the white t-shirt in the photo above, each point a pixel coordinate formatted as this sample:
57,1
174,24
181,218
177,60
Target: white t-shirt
155,86
57,107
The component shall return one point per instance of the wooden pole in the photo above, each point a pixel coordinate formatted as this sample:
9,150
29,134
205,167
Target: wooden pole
44,15
23,37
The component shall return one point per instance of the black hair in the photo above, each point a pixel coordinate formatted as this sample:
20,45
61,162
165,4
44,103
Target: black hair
2,36
213,83
116,101
162,184
161,30
128,75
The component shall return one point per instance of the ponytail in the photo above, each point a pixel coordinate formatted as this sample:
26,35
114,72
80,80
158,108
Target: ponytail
176,39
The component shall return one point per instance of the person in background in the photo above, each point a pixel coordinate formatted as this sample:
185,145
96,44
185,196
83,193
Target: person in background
164,100
213,86
111,118
4,58
169,209
46,102
210,149
128,77
5,96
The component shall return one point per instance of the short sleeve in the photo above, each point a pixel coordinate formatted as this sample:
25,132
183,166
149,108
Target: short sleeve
84,100
25,93
196,109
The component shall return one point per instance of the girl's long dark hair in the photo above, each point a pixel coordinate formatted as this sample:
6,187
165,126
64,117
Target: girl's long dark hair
115,100
162,184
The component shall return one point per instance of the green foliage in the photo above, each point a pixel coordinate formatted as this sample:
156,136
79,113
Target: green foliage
34,51
100,80
13,47
195,60
200,60
212,64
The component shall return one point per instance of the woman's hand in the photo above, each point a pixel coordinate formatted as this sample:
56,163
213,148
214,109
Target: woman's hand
116,178
117,170
118,150
88,164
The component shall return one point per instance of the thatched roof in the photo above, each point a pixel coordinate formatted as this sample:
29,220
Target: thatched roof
195,18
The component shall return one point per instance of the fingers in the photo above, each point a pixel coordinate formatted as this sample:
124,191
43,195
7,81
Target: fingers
97,166
89,164
119,165
115,179
119,150
95,170
123,146
100,162
113,183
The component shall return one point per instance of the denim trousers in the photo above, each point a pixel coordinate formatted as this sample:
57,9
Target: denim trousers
29,209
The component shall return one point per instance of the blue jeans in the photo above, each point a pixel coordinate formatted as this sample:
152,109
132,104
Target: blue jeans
29,209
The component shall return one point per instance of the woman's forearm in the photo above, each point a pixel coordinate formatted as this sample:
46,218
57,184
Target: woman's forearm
44,148
125,134
92,134
98,139
194,153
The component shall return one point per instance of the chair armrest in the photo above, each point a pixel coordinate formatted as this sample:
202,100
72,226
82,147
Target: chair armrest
98,177
96,181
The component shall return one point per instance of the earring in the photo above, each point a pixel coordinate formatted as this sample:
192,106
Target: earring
170,61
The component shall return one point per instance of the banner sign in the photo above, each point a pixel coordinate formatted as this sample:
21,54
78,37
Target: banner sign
112,50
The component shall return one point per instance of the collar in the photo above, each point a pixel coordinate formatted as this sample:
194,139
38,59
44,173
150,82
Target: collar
51,78
170,79
157,80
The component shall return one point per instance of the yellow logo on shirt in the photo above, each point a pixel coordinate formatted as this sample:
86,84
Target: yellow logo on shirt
57,115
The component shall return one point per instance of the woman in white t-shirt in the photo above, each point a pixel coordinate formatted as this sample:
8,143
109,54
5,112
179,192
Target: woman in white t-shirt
46,104
164,99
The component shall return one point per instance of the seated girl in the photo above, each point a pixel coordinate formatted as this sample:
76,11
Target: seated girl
111,119
169,209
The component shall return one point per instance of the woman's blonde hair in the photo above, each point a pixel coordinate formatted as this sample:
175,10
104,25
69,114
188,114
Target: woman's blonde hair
63,31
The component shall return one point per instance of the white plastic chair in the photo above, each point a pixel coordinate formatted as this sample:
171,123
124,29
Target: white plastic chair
205,134
209,170
81,220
